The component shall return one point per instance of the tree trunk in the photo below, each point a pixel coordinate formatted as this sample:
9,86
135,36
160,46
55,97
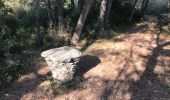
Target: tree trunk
38,33
102,15
1,4
81,21
81,4
144,6
109,6
76,6
72,3
168,10
60,6
133,11
50,15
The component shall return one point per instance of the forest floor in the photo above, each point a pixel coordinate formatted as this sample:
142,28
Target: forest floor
128,67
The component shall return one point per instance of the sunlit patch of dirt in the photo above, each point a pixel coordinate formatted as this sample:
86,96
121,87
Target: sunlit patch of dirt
46,85
44,70
122,72
117,55
37,95
31,86
127,67
29,76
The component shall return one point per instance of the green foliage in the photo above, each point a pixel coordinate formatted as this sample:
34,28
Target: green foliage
156,7
18,28
14,39
120,12
17,33
71,85
55,38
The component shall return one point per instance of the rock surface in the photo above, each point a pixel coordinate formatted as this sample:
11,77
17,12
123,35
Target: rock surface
62,62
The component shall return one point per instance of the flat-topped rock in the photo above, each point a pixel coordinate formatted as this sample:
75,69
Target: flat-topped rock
61,54
62,62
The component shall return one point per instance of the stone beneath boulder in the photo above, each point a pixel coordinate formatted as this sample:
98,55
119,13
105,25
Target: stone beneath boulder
62,62
63,73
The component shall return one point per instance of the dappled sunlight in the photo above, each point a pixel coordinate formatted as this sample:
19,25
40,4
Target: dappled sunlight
160,70
127,67
32,84
124,67
115,68
166,38
43,70
85,94
45,85
30,76
112,50
28,96
37,95
116,56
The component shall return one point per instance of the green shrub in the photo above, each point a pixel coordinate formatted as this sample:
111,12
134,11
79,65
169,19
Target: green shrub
56,38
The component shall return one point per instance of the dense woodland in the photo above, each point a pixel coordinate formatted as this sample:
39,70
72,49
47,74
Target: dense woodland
37,25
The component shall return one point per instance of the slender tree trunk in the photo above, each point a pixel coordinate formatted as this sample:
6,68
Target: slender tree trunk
109,6
76,6
144,6
38,33
60,6
1,4
50,15
72,3
168,6
81,4
143,3
133,11
102,15
81,21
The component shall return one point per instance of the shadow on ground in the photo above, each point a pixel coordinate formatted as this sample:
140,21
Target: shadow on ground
86,63
129,67
132,67
28,86
150,87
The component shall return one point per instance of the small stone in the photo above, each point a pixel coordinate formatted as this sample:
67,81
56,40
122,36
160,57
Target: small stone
6,94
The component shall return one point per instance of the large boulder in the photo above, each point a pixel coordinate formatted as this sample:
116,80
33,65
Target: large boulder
62,62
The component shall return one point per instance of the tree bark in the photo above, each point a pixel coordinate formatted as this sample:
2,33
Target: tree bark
102,15
72,3
81,3
38,33
109,6
50,15
133,11
76,6
81,21
144,6
60,6
168,10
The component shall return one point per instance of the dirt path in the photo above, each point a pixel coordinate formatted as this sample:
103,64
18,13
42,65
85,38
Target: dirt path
128,67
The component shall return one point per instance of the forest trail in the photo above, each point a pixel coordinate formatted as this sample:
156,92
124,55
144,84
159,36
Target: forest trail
127,67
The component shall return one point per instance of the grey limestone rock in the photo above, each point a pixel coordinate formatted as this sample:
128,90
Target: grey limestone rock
62,62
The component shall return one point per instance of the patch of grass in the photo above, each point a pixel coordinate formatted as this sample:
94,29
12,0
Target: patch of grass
71,85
